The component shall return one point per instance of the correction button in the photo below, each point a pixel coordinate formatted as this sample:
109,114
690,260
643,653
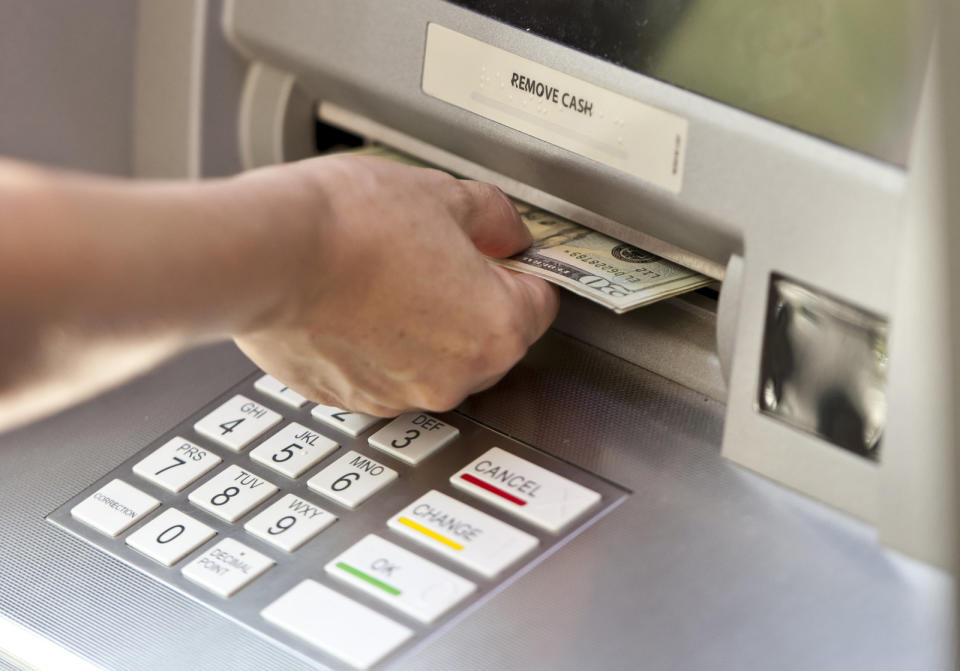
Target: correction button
524,489
462,533
114,507
237,422
400,578
413,437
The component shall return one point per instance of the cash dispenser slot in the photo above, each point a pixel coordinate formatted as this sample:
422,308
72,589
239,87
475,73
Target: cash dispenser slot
676,337
759,201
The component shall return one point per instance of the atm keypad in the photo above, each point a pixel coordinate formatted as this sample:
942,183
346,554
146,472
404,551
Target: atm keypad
263,503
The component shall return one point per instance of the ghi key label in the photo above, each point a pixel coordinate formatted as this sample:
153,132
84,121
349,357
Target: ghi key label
553,106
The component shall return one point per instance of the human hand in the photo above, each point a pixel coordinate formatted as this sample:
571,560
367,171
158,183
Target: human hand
391,304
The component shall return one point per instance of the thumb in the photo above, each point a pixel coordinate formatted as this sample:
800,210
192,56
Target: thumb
536,299
491,221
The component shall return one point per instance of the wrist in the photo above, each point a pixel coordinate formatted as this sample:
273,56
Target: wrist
277,217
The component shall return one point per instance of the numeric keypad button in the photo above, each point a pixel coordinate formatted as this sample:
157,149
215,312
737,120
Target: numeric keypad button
351,423
226,567
278,391
290,522
293,450
170,536
176,464
352,479
413,437
232,493
237,422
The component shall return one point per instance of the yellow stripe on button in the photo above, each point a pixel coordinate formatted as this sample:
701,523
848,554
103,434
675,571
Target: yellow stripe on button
427,532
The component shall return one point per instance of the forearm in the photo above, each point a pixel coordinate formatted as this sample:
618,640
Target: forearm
101,278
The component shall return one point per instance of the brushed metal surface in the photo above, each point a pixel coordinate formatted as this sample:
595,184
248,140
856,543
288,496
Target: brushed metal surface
7,665
704,566
352,525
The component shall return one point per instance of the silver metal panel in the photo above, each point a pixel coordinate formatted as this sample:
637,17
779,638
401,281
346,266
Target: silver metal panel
704,566
6,665
66,589
772,199
66,82
352,525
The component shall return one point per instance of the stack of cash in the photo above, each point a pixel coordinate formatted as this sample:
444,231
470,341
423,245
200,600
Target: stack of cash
616,275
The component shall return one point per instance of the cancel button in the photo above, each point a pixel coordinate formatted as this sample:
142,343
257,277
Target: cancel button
525,489
503,476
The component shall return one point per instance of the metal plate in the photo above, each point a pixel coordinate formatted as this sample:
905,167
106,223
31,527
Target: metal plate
370,517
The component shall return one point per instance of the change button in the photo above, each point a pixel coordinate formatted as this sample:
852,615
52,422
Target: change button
466,535
524,489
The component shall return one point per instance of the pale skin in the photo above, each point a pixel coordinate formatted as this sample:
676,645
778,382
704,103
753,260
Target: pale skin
359,282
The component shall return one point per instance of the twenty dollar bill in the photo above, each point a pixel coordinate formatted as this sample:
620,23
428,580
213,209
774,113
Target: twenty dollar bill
595,266
609,272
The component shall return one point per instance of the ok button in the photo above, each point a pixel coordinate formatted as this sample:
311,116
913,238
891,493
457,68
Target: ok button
384,566
413,437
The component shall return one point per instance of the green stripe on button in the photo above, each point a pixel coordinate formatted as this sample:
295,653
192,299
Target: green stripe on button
389,589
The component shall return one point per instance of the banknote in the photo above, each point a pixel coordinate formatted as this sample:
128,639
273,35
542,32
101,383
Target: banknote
607,271
617,275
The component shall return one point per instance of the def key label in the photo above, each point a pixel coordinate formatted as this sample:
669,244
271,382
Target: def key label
644,141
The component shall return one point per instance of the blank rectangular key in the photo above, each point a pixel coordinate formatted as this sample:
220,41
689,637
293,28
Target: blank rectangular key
341,627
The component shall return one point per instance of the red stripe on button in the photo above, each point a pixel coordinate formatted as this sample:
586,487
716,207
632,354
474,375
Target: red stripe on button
473,480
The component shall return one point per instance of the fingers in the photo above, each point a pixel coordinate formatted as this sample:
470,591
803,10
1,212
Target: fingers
490,220
536,299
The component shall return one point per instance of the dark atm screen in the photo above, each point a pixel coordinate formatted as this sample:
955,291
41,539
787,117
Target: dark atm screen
845,70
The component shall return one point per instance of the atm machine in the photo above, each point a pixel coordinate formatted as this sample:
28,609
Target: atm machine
757,476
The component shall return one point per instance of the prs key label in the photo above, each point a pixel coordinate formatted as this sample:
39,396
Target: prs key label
553,106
